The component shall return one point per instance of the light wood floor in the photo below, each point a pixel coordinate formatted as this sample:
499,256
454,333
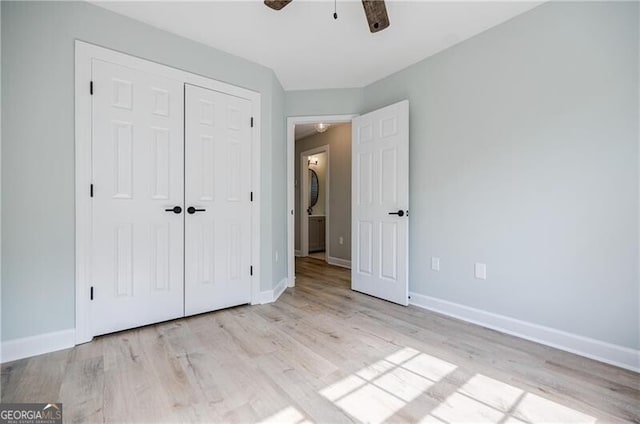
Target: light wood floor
319,255
326,354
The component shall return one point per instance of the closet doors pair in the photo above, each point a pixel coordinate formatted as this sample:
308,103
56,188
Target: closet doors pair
171,199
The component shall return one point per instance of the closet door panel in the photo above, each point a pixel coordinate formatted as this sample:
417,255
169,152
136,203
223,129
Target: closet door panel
137,167
217,189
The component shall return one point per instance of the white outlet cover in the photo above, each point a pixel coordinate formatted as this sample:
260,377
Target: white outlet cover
481,271
435,264
340,240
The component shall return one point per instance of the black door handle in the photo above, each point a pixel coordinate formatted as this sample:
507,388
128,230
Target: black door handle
175,209
399,213
191,210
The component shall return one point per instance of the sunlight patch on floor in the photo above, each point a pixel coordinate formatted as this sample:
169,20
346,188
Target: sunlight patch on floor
378,391
494,393
288,415
460,408
484,399
537,409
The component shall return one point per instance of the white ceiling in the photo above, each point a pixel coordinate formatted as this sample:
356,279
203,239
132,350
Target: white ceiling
305,130
308,49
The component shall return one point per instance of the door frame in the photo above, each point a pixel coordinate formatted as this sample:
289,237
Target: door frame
84,54
304,199
292,121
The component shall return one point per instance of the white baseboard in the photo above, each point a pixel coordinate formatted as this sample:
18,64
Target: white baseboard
280,288
339,262
269,296
619,356
297,252
36,345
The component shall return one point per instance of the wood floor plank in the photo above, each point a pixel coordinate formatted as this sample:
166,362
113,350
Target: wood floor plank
40,381
82,390
322,353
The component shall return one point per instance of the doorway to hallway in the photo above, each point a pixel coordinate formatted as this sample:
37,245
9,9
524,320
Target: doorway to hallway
322,192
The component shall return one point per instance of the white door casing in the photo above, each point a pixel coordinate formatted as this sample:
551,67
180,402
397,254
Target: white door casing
86,89
380,187
292,121
137,250
218,187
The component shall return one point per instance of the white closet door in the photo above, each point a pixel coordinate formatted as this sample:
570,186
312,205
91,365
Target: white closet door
217,186
137,255
380,203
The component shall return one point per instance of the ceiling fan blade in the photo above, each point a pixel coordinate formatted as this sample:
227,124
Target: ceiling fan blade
376,13
277,4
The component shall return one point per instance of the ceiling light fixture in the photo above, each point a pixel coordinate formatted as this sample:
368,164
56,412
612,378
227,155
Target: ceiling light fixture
321,127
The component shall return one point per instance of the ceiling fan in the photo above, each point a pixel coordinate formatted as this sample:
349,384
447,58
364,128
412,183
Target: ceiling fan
375,10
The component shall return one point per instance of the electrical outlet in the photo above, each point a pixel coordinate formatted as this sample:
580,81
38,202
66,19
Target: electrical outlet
340,240
435,264
481,271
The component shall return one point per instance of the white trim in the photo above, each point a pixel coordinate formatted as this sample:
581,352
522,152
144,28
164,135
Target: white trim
619,356
339,262
298,252
292,121
270,296
280,288
83,120
15,349
84,54
304,198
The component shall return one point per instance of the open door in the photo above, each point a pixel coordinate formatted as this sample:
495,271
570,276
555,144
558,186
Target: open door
380,203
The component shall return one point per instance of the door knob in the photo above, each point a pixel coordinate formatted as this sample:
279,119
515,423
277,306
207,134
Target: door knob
191,210
175,209
399,213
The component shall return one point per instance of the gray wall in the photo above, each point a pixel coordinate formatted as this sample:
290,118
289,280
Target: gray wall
338,137
278,248
524,155
323,102
38,147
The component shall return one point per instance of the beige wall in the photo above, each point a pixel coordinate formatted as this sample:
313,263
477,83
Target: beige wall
338,137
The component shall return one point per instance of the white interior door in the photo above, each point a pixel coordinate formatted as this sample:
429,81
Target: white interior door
380,203
218,188
137,166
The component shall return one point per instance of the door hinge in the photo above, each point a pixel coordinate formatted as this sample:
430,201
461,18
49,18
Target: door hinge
251,196
91,190
252,122
91,87
251,270
91,293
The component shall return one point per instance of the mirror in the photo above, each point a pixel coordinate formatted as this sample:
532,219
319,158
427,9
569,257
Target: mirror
314,189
